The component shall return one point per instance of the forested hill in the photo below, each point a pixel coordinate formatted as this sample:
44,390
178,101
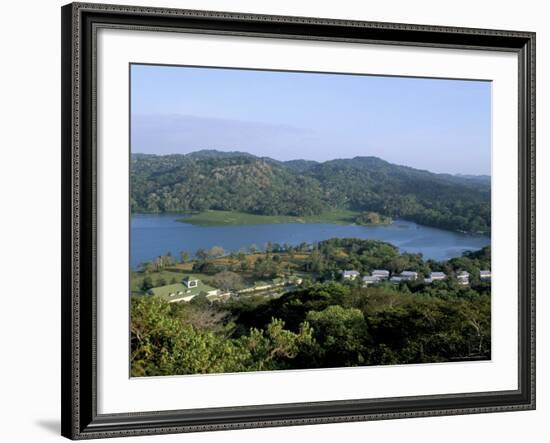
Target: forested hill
238,181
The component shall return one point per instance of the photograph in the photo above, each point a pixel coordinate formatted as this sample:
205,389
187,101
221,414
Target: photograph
284,220
296,219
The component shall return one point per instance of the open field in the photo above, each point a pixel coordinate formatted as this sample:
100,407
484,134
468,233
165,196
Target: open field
222,218
136,279
174,273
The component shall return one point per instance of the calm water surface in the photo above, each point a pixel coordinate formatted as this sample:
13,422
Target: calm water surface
156,234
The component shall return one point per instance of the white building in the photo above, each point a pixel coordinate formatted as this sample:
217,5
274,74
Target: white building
370,280
396,280
409,275
437,276
463,278
349,275
382,274
190,282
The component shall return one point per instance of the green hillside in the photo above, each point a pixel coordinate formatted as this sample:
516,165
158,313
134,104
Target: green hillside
241,182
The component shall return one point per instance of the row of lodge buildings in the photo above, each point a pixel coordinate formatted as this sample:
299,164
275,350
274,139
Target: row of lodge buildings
380,275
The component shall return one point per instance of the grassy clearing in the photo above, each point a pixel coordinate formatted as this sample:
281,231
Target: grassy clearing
223,218
290,263
136,279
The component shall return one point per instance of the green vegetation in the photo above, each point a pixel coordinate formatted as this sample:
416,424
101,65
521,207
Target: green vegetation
240,184
372,218
152,278
317,319
323,325
218,218
163,343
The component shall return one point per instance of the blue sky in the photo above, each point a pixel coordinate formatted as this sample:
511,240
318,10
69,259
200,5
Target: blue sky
433,124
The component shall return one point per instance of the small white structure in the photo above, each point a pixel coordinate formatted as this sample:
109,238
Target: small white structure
409,275
190,282
349,275
437,276
382,274
370,280
396,280
485,275
463,278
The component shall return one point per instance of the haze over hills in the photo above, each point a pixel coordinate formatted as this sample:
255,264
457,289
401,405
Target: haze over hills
239,181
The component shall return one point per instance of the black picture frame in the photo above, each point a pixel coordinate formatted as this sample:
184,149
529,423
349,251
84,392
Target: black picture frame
80,419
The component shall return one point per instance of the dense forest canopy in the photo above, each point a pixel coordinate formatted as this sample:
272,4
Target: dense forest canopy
237,181
324,325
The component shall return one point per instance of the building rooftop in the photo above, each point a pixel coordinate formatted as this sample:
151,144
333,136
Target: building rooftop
350,274
380,272
437,274
408,275
179,290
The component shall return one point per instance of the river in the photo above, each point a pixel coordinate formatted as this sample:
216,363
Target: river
156,234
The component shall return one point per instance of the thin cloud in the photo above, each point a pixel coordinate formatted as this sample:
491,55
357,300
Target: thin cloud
168,134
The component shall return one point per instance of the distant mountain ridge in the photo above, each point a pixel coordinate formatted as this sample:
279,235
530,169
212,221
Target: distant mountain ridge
239,181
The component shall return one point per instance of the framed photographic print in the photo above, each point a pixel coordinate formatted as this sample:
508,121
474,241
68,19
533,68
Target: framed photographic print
273,221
